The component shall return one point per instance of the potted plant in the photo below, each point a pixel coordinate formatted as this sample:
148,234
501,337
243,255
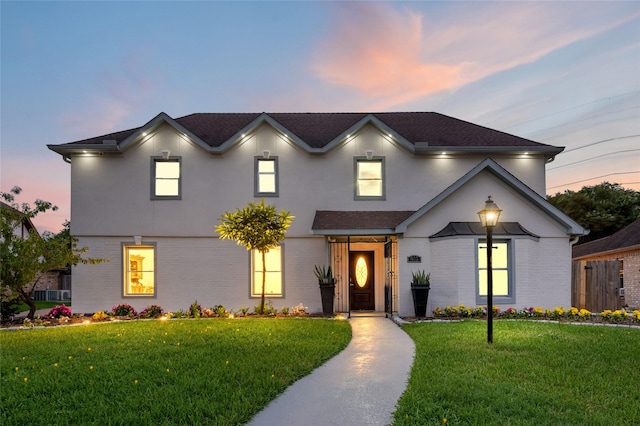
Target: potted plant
420,285
327,287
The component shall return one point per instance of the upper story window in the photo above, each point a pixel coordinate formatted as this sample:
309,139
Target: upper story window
166,178
266,177
369,178
501,265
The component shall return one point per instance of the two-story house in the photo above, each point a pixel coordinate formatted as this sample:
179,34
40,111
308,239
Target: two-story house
387,194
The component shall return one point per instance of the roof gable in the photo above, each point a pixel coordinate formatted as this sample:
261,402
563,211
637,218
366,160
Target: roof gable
494,168
317,133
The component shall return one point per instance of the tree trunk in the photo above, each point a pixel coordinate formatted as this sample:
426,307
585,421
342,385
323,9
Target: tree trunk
264,281
26,298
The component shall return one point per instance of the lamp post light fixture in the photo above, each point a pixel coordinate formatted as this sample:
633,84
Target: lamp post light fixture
489,216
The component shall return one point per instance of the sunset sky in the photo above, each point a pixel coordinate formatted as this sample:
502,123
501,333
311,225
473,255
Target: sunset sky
560,73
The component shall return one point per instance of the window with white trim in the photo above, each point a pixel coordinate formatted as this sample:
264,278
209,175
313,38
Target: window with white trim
273,284
266,177
139,270
501,262
166,177
369,178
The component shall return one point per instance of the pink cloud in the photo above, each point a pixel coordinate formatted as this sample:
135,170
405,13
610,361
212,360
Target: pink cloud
40,178
118,95
394,56
377,50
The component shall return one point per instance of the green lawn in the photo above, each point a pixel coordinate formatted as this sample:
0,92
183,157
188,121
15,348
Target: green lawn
208,371
534,374
41,304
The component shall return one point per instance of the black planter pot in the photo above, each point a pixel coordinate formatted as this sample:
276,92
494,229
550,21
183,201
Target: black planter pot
327,293
420,297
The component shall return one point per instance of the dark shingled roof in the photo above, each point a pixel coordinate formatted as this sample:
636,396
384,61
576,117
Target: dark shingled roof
319,129
475,228
332,219
629,236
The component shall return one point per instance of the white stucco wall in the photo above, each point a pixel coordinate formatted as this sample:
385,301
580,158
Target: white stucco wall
111,203
542,273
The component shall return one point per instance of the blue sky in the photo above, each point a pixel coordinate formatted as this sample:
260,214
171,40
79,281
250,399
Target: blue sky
561,73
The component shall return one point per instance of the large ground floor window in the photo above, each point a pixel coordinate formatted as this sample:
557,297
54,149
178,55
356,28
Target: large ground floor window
502,272
273,261
139,270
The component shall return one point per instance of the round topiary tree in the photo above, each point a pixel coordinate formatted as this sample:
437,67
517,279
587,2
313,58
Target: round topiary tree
256,227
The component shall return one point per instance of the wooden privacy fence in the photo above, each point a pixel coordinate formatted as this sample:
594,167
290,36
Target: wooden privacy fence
595,284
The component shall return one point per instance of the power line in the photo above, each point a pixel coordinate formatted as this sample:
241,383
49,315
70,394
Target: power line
570,123
592,158
602,141
572,108
592,178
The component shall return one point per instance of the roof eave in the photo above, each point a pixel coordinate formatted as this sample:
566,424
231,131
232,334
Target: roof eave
550,151
67,149
346,232
607,252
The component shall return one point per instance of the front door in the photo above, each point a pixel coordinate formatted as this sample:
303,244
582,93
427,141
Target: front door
361,280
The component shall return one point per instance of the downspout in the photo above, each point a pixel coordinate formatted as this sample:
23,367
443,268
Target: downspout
349,274
66,159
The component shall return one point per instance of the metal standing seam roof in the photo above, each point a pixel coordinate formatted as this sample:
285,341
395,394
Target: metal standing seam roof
319,129
475,228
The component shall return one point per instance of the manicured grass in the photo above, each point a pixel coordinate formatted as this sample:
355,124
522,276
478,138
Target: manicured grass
533,374
208,371
41,304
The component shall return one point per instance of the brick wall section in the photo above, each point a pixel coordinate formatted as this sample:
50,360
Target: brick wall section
631,273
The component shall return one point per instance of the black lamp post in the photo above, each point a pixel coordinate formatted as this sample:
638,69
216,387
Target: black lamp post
489,216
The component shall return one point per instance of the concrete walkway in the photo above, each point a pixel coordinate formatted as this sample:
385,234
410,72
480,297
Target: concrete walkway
359,386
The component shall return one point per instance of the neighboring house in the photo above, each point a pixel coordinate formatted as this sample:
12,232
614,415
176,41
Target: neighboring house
51,280
25,226
386,193
623,246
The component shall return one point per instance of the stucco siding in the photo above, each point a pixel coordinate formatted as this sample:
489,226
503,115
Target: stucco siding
111,194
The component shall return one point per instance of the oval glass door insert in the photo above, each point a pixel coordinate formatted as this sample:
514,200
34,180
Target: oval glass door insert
362,272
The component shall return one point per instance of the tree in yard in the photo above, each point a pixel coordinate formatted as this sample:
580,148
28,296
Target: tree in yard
603,209
24,260
256,227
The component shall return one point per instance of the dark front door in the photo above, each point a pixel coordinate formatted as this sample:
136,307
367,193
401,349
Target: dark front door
361,280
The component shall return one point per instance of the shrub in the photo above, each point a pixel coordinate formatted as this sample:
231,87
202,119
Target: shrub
99,316
220,311
152,311
285,311
9,306
195,310
59,311
123,310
